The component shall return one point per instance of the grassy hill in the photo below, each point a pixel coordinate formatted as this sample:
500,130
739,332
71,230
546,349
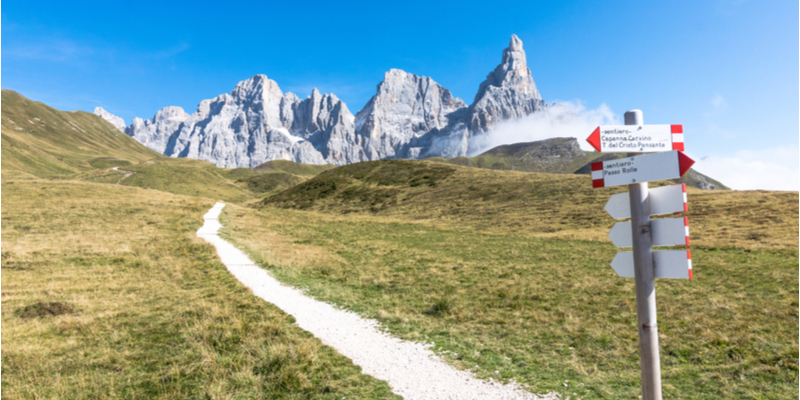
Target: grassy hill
40,141
108,293
553,205
558,156
278,175
290,167
509,272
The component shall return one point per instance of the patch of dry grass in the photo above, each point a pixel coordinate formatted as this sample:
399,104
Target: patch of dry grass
542,310
510,272
148,309
531,204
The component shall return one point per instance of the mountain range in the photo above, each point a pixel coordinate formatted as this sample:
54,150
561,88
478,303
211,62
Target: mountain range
410,116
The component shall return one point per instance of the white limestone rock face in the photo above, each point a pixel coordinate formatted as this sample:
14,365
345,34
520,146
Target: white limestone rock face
233,130
407,111
257,122
507,93
410,116
414,117
155,133
326,122
118,122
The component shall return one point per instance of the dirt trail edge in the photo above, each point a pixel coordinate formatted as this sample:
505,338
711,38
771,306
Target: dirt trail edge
411,370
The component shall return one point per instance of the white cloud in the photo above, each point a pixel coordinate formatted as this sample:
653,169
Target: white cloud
768,169
566,119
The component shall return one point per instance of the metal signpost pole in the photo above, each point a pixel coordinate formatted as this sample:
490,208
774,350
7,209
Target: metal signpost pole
645,280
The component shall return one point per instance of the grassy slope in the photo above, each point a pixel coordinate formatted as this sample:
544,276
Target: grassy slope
41,141
551,205
188,177
276,176
557,156
509,271
290,167
150,311
154,313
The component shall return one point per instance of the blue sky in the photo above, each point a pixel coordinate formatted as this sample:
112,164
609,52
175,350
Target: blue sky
726,70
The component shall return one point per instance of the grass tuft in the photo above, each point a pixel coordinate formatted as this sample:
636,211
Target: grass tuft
42,310
439,307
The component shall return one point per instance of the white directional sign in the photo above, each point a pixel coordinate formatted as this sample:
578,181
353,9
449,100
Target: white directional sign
663,200
643,168
636,138
675,264
665,232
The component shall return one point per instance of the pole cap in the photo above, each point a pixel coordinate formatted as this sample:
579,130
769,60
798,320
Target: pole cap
634,117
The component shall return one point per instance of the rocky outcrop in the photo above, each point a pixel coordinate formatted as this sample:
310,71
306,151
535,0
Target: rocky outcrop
155,133
118,122
410,116
242,129
327,123
398,120
257,122
507,93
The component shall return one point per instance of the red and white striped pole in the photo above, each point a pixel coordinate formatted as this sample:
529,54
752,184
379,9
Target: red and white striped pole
649,357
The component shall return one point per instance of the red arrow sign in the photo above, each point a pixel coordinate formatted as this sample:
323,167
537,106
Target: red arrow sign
594,139
636,138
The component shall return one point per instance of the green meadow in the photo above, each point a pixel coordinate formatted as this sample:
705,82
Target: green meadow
108,293
510,272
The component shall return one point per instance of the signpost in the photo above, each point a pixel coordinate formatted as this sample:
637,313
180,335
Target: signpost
640,168
675,264
639,138
643,264
663,200
665,232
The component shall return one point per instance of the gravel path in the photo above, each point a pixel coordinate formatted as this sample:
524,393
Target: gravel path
127,174
411,370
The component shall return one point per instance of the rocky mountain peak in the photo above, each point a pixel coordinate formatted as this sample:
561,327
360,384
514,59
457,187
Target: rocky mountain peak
512,73
155,133
174,113
118,122
515,44
258,89
507,93
406,108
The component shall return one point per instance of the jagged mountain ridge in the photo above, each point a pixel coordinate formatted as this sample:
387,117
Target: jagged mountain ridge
410,116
